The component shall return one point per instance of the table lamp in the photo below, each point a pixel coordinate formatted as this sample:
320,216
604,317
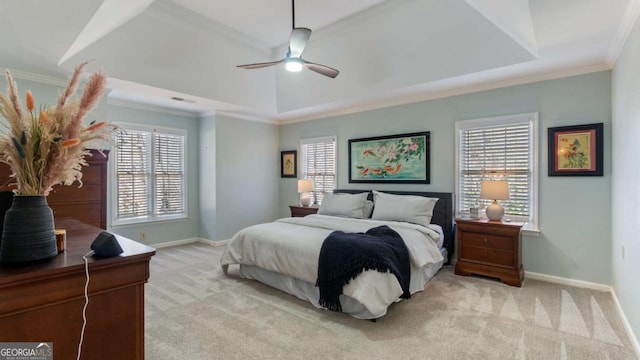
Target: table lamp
304,187
494,190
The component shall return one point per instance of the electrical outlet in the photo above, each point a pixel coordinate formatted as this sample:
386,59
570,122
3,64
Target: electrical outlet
143,236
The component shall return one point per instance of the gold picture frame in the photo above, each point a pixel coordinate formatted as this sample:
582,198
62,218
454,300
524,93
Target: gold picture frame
576,150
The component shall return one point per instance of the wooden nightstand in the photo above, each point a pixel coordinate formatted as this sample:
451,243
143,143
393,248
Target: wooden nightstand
490,248
300,211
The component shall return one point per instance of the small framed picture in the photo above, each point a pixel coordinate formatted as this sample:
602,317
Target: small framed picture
289,164
575,150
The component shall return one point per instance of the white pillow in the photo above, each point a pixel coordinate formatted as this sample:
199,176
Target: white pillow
409,208
349,205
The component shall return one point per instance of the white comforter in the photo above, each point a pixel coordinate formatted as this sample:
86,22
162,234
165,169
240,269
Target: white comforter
291,246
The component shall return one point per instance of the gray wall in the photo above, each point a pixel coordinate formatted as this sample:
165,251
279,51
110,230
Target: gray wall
626,183
158,232
247,173
575,225
208,214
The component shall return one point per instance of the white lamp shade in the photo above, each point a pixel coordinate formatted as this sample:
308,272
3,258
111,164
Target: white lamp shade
305,185
494,190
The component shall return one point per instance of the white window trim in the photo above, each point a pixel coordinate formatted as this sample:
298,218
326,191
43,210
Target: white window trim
532,226
306,141
152,218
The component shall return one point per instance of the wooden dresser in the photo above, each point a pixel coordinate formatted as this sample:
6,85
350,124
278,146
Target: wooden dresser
490,248
87,203
43,302
301,211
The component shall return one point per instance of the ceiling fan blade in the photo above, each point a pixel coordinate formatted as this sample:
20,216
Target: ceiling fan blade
321,69
260,65
298,41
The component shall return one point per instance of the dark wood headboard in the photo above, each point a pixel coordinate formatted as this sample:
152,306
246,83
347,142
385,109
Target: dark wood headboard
442,212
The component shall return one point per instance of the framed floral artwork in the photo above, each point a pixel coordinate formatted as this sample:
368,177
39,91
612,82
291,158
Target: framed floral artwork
288,164
575,150
398,159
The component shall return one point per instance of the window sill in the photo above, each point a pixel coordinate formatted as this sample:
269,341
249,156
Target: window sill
147,221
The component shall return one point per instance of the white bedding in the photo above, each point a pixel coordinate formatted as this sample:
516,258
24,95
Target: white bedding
291,246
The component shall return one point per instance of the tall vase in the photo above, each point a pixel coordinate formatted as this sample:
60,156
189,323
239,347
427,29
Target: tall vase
28,232
6,198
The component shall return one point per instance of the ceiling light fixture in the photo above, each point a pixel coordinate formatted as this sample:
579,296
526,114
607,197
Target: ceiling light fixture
293,64
293,60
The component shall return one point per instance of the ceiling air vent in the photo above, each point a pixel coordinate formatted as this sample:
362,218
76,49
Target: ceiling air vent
184,100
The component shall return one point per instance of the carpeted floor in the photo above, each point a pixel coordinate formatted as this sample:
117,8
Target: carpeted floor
194,312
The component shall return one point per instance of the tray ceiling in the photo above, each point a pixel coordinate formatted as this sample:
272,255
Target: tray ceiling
388,52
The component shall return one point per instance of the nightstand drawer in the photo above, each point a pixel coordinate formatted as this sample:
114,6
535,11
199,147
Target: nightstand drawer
301,211
488,241
486,255
490,248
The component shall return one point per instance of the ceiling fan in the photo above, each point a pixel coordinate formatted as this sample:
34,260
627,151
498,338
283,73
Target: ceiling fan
293,59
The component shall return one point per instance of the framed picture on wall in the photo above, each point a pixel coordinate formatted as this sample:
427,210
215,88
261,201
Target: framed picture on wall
289,164
397,159
575,150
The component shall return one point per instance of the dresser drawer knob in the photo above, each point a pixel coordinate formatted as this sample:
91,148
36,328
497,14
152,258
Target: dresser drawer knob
485,240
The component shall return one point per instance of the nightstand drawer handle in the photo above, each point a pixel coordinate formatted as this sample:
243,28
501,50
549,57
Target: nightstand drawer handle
485,255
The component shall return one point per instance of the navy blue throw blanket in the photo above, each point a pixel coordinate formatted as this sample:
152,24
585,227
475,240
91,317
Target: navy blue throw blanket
344,256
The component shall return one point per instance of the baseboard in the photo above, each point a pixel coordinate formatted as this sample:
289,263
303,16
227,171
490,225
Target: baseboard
627,325
568,282
174,243
593,286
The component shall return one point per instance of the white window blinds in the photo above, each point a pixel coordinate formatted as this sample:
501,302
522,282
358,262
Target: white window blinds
501,149
319,164
150,174
132,173
169,173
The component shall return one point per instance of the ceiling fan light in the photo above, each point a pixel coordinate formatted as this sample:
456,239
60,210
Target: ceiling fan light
293,65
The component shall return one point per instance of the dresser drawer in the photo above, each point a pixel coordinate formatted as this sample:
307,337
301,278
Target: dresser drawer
488,241
490,256
92,174
69,194
90,213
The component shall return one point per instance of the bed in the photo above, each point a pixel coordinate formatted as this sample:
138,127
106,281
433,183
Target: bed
284,254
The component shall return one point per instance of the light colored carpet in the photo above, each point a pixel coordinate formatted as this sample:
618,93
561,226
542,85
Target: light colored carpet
193,311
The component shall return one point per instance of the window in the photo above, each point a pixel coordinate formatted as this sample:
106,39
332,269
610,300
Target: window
149,174
318,163
501,148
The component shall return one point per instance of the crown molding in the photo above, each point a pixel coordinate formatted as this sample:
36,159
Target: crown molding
154,108
624,30
414,96
245,117
208,113
43,79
